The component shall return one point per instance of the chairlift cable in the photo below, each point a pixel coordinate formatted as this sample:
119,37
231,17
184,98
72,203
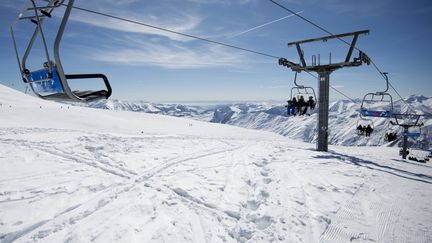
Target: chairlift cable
340,92
174,32
410,107
339,38
196,37
346,96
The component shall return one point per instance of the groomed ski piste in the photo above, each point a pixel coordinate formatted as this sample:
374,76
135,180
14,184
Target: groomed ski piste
77,174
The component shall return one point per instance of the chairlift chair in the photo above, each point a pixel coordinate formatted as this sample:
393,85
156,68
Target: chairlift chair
51,82
391,129
301,90
364,122
373,98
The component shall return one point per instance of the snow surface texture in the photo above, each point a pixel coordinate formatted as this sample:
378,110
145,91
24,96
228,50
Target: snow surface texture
343,118
75,174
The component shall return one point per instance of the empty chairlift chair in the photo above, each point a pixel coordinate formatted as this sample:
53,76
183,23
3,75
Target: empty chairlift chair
50,82
371,100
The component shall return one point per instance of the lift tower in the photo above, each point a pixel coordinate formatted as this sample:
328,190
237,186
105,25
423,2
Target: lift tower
324,71
413,121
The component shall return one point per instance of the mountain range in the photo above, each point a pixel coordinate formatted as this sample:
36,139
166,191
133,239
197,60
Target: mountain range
344,117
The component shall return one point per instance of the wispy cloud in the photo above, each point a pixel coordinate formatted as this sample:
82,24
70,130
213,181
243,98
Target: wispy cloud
171,55
144,46
365,7
263,25
180,23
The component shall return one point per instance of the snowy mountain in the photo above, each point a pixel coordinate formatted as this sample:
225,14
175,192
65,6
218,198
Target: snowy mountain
344,118
177,110
77,174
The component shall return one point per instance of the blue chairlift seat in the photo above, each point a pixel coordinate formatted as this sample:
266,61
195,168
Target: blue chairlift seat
45,83
374,113
411,134
49,86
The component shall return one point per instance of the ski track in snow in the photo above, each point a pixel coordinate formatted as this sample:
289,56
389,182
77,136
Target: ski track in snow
101,201
196,182
249,216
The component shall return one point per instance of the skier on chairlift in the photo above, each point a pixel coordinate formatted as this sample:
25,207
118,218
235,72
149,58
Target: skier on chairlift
360,130
390,137
291,107
300,105
310,104
369,130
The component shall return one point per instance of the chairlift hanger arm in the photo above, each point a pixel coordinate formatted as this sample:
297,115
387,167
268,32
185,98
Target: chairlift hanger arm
295,81
387,82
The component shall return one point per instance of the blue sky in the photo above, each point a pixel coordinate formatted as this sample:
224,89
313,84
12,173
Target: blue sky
144,64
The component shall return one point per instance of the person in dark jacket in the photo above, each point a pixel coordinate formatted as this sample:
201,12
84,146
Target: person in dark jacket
391,137
310,104
369,130
293,106
360,130
300,105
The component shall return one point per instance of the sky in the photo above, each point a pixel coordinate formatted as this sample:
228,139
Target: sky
150,65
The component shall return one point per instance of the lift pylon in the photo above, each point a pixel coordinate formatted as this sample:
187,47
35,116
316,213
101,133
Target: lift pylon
407,121
324,71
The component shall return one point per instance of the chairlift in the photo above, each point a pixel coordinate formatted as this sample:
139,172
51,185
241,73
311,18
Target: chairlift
364,122
366,109
418,155
301,90
51,82
414,132
298,92
391,133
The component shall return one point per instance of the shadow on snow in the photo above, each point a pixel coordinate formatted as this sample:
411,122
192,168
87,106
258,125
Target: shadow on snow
375,166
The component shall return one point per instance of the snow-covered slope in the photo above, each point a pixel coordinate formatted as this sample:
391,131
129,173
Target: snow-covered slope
75,174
